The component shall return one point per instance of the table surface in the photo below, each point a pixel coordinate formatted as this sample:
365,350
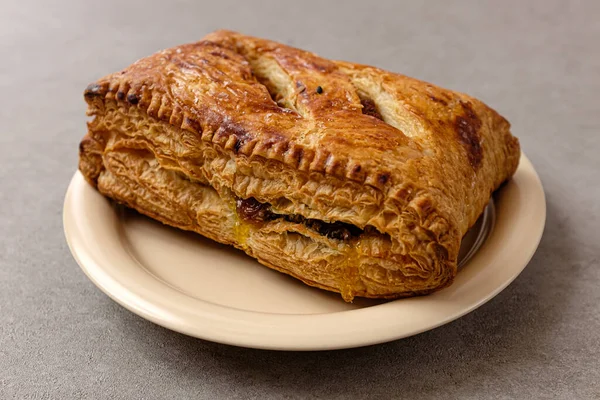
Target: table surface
537,63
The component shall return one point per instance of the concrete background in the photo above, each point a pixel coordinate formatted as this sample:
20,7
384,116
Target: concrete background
536,62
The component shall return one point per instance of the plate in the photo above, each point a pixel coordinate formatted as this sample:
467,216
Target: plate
192,285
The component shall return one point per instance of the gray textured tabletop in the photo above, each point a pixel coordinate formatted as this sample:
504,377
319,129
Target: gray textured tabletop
537,63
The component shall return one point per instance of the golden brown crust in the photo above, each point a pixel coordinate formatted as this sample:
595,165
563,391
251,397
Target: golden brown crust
327,140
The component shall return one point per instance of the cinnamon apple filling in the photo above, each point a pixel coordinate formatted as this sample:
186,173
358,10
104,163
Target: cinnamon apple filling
255,212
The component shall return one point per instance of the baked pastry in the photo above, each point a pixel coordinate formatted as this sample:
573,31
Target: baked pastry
345,176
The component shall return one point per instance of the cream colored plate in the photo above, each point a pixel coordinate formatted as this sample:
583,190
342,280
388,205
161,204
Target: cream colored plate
187,283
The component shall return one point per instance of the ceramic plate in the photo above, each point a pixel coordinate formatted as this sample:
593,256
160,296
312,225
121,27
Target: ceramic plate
192,285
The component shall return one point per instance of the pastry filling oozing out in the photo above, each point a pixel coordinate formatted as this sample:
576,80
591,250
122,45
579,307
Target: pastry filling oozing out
370,108
253,211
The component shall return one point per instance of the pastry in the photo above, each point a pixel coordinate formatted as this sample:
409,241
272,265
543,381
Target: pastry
345,176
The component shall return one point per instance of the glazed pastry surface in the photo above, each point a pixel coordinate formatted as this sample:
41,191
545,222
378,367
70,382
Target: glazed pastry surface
348,177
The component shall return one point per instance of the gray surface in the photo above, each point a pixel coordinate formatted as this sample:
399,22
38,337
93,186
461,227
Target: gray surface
538,64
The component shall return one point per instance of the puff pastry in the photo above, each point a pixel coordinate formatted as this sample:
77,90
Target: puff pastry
348,177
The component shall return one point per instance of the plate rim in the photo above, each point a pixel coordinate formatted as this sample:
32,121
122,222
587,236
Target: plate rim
245,328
